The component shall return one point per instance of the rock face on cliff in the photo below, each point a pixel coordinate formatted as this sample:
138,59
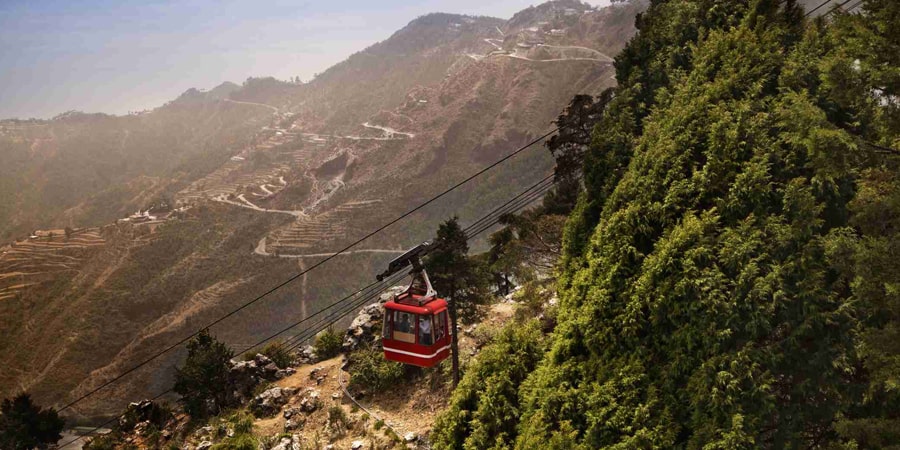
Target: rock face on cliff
244,376
270,402
365,330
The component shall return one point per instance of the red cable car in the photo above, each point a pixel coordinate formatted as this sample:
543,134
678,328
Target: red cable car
416,324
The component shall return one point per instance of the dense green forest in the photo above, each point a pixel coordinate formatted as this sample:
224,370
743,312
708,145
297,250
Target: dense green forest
730,275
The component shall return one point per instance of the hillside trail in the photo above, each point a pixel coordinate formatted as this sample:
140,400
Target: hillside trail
303,286
261,250
253,103
406,407
389,134
495,44
578,47
525,58
388,130
244,203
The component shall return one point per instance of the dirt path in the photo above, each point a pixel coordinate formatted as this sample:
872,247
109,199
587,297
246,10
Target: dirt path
554,59
247,204
303,287
576,47
491,41
388,132
261,250
252,103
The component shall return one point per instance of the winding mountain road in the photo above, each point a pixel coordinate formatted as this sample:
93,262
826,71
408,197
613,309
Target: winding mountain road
247,204
388,131
253,103
261,250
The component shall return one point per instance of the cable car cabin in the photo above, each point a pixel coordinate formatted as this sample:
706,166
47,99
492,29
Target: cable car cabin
416,330
416,326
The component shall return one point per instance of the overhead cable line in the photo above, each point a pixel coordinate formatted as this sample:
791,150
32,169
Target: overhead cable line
498,212
855,5
816,8
515,204
543,185
314,266
835,8
522,199
364,293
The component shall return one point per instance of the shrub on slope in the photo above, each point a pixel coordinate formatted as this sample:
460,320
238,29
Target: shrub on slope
701,303
726,279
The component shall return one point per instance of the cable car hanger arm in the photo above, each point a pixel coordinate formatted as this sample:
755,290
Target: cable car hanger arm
420,285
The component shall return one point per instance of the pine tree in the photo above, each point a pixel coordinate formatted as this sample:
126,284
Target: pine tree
698,305
203,380
24,425
456,276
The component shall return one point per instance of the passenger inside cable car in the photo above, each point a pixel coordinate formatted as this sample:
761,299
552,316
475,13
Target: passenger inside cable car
425,337
404,326
419,339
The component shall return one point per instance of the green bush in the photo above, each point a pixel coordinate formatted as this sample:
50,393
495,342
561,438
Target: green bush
238,442
328,343
338,419
484,408
484,333
243,439
158,415
104,442
279,354
369,370
24,425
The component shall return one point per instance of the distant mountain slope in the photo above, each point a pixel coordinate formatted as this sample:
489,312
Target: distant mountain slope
88,169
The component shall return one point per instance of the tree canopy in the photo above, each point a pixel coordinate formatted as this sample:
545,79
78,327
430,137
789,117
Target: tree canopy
729,274
203,380
453,273
24,425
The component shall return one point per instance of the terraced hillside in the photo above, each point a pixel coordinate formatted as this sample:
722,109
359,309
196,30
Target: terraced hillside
81,170
43,257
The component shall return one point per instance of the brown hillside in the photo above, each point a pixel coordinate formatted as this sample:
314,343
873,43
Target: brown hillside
270,177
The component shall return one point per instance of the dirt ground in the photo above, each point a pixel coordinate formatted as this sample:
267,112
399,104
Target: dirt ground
406,408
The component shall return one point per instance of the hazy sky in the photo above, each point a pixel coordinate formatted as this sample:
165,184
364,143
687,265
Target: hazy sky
116,56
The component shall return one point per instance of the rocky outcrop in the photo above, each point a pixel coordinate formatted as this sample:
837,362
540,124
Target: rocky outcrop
294,419
366,326
310,401
244,376
306,355
288,443
270,402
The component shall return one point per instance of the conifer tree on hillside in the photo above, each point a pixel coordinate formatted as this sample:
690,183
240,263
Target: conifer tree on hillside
728,275
456,276
705,310
203,380
25,426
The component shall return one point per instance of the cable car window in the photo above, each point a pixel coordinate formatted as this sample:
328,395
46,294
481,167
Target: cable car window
386,332
440,325
425,329
404,327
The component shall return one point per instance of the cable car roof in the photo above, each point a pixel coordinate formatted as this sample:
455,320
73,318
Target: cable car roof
431,307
